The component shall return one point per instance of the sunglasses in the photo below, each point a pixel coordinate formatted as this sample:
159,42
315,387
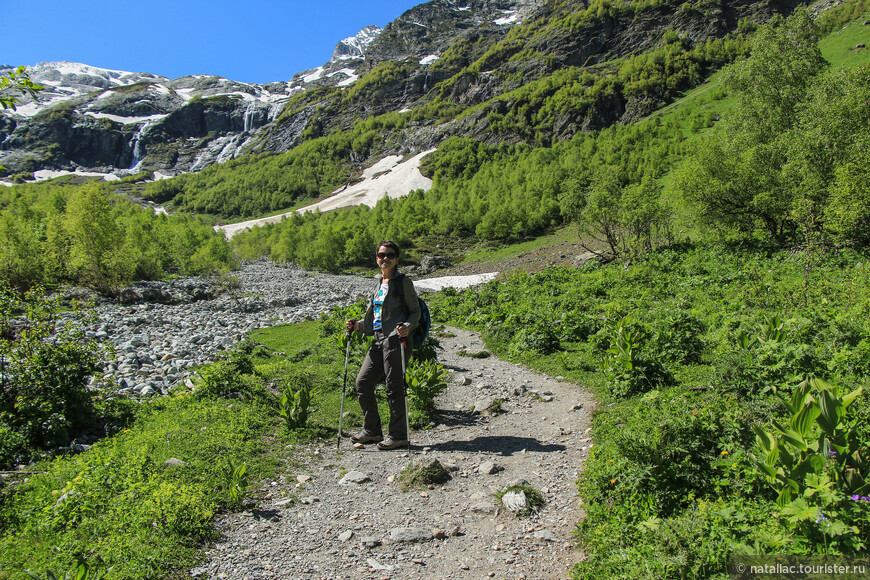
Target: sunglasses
386,255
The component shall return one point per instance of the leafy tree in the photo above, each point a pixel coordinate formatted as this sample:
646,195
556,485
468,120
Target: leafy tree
735,177
773,82
17,80
96,242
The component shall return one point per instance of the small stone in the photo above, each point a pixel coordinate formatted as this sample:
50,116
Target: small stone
375,565
359,446
489,468
173,462
370,542
516,501
545,536
483,508
303,478
410,535
345,536
354,478
438,533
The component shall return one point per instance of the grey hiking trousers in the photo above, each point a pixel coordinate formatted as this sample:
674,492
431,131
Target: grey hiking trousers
384,360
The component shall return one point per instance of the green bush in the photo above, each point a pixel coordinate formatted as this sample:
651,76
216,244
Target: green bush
765,357
233,375
45,366
819,466
628,365
296,401
426,380
536,339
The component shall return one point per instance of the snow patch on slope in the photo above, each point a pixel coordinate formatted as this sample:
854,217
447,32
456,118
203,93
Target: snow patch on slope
389,177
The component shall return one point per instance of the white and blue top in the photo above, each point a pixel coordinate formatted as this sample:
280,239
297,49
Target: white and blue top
379,304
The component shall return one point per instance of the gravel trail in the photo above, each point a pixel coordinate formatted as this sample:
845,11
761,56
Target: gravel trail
342,514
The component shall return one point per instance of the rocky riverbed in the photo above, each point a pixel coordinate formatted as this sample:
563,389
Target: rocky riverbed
160,330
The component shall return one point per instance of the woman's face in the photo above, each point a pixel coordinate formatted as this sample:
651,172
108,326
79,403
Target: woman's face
386,258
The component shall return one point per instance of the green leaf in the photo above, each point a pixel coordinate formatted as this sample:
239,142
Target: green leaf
795,439
836,528
847,400
764,439
799,396
800,511
832,412
803,421
784,497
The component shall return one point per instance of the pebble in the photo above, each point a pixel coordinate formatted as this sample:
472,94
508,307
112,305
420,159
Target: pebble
354,478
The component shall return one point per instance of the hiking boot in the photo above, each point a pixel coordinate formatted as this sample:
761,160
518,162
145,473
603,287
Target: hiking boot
366,437
390,443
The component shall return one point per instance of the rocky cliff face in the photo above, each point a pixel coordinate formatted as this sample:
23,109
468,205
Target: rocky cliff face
117,122
100,120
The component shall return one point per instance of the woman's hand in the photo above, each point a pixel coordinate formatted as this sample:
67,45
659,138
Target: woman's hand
351,325
402,330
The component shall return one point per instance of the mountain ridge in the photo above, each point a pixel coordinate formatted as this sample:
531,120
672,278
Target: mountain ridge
453,56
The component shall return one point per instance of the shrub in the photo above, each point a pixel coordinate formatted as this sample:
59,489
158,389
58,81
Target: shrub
627,365
818,465
45,367
426,380
296,402
577,326
536,339
764,358
233,376
678,337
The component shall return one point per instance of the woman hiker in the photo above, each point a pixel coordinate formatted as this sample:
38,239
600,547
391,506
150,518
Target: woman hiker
392,315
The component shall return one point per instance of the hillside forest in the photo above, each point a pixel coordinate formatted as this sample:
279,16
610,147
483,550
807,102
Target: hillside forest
725,324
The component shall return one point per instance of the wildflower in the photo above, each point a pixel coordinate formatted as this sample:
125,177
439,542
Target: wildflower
612,481
832,452
694,412
855,497
724,453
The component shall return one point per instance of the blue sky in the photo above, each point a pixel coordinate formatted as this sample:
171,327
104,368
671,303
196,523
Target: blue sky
254,41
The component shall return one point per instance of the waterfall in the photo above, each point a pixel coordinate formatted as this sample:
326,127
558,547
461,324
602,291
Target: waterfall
275,109
137,149
249,116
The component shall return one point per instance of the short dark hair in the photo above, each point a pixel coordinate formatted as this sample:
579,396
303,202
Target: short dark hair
388,244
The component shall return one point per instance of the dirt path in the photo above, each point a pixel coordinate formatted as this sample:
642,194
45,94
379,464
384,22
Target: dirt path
316,523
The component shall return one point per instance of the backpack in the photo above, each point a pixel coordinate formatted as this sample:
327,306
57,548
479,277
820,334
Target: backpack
425,322
422,330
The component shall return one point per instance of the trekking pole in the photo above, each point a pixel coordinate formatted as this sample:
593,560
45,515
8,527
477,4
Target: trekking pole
343,389
405,385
